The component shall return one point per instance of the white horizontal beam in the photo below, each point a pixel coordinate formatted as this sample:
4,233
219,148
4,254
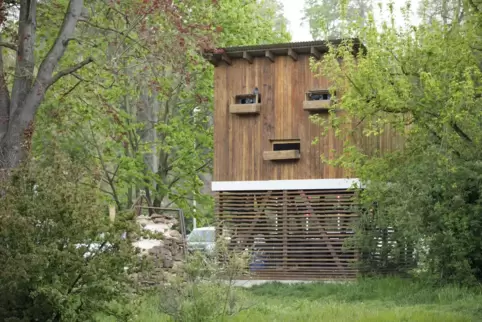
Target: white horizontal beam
284,184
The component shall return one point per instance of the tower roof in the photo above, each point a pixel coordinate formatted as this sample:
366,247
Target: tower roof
314,48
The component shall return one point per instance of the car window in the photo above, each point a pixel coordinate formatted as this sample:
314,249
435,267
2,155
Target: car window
201,236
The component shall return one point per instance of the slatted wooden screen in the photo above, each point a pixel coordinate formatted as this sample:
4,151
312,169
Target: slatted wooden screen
290,234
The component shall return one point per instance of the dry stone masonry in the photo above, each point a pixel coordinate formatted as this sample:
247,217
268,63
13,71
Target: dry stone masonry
167,252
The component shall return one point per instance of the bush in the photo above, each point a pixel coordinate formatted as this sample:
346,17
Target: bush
205,290
433,207
61,257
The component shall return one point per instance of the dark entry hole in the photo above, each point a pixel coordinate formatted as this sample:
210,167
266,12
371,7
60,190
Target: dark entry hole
286,146
247,99
318,96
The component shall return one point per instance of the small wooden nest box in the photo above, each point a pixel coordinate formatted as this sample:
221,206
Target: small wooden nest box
245,104
283,150
317,100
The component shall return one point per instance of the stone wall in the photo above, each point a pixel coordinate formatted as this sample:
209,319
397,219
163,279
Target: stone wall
167,253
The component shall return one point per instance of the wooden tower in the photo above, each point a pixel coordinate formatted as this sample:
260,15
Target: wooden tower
273,193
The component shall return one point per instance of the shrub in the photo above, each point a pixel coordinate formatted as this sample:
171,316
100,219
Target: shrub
61,257
205,290
433,207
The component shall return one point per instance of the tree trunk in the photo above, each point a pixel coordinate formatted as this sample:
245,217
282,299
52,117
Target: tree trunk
25,63
26,97
4,100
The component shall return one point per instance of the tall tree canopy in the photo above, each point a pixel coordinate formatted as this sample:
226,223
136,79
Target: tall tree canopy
135,100
326,18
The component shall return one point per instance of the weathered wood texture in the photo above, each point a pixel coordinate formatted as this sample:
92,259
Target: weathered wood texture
290,234
281,155
316,105
245,108
240,140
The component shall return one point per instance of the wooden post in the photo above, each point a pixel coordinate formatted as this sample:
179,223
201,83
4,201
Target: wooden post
285,229
112,213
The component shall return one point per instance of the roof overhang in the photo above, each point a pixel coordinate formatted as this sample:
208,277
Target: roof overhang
270,51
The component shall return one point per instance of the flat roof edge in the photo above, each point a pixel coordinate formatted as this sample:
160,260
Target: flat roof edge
313,48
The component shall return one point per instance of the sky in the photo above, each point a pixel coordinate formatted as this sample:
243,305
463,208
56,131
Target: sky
300,30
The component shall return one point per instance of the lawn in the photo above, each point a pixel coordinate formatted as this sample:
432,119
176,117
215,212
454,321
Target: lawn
386,299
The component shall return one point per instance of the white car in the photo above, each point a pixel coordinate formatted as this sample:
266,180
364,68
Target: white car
202,239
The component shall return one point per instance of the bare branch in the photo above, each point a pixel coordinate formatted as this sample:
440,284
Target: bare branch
69,70
66,41
80,78
175,180
50,62
8,45
110,179
461,133
70,90
123,33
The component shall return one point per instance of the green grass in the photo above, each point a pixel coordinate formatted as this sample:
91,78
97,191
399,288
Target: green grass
388,299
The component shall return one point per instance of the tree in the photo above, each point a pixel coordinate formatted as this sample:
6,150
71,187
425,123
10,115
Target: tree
445,11
424,82
326,18
142,119
19,105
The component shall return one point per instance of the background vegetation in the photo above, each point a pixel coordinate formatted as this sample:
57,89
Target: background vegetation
102,101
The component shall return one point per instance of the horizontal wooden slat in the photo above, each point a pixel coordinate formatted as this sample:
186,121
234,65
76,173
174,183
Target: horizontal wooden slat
318,192
292,234
281,155
244,108
316,105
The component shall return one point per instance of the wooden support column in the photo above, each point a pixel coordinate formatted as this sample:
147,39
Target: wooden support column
218,210
285,228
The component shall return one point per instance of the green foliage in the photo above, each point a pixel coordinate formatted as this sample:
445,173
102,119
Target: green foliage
329,18
446,11
251,23
205,291
439,217
140,117
387,299
61,257
422,83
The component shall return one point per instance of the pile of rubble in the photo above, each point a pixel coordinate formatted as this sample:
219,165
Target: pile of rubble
167,253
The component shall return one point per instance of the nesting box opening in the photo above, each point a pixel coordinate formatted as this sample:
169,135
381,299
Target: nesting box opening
284,146
247,99
246,104
283,150
317,100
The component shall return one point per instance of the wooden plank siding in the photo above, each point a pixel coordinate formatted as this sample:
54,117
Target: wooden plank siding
240,140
